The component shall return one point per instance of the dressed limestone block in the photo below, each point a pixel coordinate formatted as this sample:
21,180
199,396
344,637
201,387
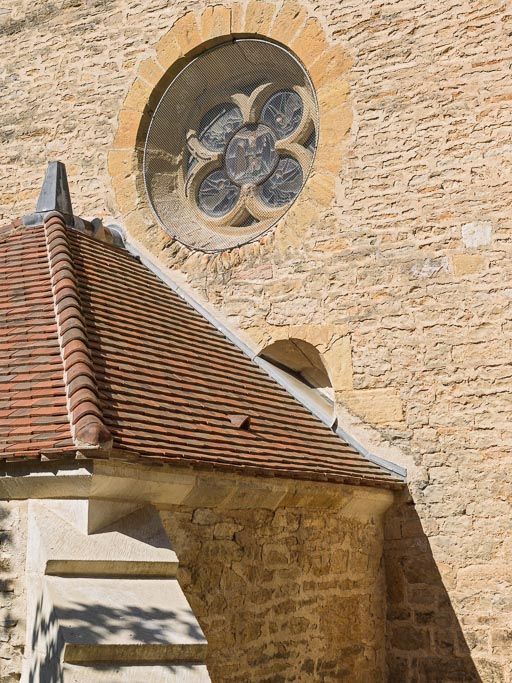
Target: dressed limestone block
124,620
180,673
134,545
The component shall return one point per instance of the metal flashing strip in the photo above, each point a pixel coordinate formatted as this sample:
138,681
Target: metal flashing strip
314,402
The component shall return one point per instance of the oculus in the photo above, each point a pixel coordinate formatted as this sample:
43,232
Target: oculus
230,144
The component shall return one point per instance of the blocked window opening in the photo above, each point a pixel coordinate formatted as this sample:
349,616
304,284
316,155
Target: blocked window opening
303,362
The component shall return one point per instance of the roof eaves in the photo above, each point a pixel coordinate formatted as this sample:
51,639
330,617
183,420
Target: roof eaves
87,425
163,459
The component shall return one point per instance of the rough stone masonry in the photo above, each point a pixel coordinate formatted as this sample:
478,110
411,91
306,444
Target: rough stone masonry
412,258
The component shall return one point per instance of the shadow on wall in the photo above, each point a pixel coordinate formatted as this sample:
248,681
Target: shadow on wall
88,624
8,589
48,644
425,642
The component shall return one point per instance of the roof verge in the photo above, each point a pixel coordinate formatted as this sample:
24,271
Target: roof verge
298,390
87,426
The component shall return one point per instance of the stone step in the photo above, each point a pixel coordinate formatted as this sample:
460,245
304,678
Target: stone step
108,673
124,620
113,551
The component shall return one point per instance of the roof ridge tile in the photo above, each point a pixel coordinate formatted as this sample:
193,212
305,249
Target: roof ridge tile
85,416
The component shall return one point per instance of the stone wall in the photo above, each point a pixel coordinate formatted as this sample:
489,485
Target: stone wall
12,589
410,259
285,595
282,595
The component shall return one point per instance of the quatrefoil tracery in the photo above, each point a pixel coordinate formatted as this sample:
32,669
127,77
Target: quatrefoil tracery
249,156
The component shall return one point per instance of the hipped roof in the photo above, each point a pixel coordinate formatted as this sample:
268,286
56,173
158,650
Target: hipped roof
98,356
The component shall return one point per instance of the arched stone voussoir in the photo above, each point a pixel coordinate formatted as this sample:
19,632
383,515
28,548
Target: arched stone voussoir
330,342
290,25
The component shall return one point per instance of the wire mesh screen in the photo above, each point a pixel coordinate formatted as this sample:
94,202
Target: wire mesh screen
230,144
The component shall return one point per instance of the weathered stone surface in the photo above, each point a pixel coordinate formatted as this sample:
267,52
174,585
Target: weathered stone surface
310,580
215,21
150,71
258,16
107,673
377,406
124,619
168,50
310,41
289,20
467,264
476,234
187,32
12,588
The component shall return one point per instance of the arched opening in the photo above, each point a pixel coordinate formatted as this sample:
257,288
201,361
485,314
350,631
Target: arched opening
302,364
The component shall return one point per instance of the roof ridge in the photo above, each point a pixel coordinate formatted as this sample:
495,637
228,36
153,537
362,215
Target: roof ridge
85,416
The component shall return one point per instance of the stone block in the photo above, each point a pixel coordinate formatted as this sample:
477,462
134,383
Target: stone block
258,17
317,335
120,162
328,155
288,22
128,128
237,18
430,267
467,264
490,670
310,43
320,188
138,96
478,234
378,406
336,123
150,71
100,619
206,516
501,640
126,192
216,21
186,33
332,95
168,50
112,673
59,547
330,66
338,360
409,638
136,225
225,530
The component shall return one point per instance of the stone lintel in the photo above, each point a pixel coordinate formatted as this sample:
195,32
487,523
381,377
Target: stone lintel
377,406
168,486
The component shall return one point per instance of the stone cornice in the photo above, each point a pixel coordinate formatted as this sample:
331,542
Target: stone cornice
168,486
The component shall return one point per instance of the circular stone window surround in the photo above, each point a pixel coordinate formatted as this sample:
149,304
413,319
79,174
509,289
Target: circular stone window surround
192,34
230,144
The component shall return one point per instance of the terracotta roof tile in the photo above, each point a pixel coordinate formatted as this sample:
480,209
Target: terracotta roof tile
142,366
30,363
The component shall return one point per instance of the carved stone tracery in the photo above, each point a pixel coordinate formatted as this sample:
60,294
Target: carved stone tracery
248,158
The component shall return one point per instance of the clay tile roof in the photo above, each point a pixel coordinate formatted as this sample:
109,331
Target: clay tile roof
98,354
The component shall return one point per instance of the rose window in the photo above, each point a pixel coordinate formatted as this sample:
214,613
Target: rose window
231,144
